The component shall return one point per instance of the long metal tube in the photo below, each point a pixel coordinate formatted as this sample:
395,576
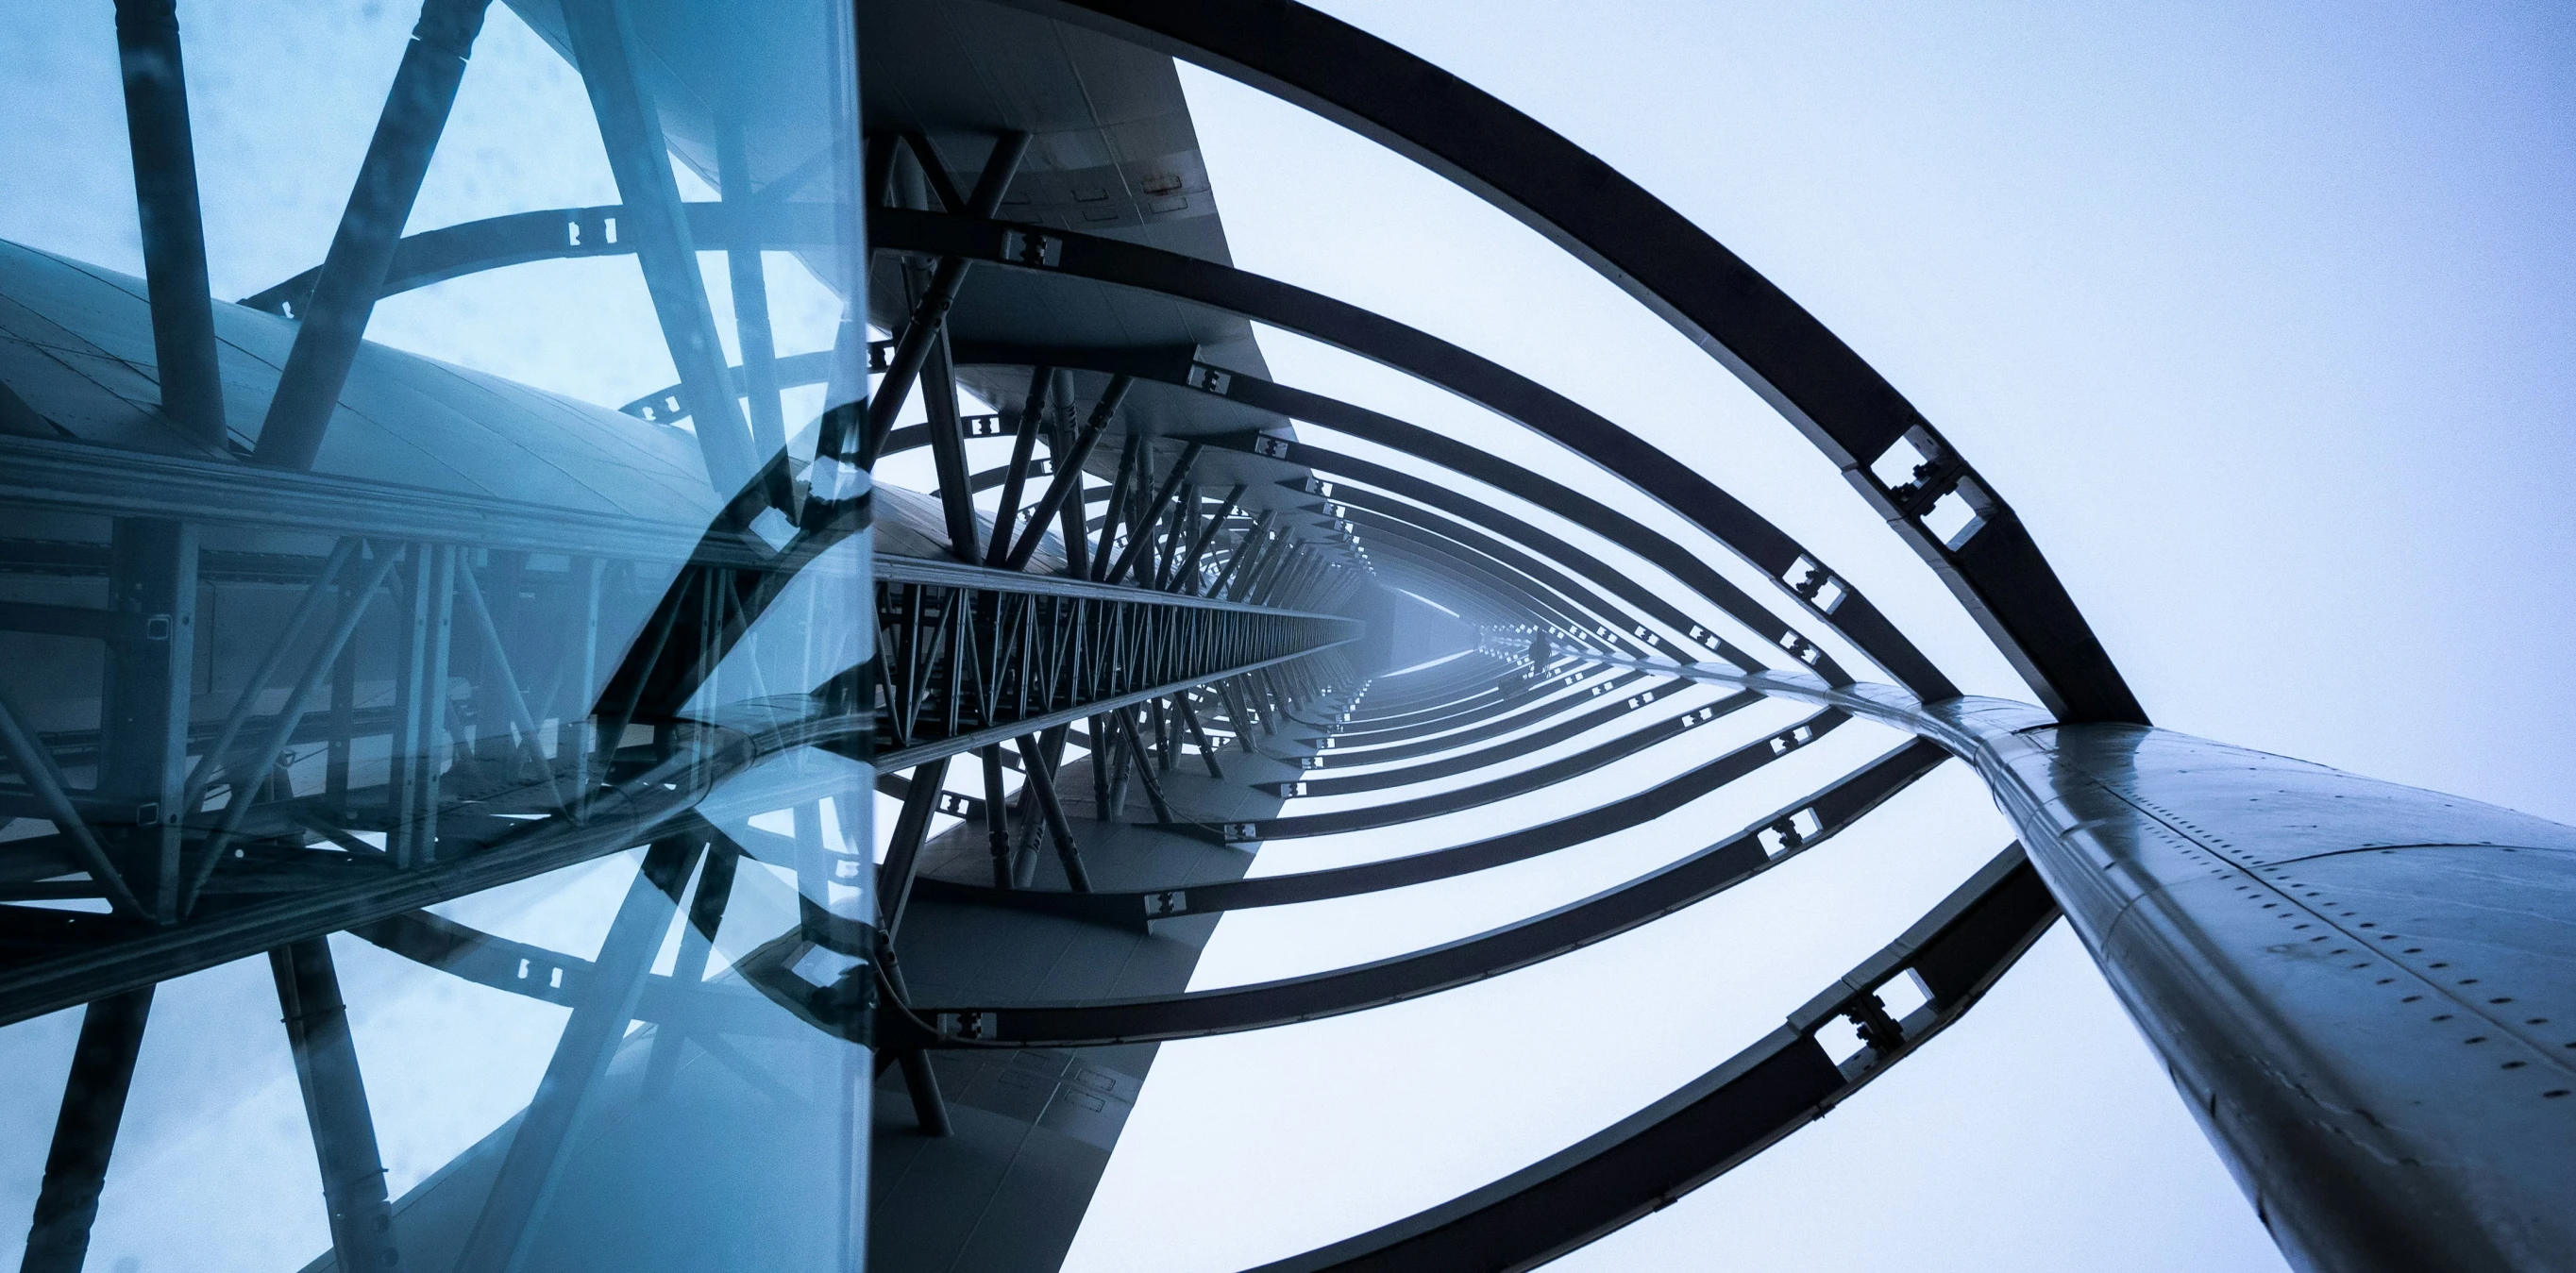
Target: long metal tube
2366,993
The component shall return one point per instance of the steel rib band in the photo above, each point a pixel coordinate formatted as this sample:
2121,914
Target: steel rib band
1338,756
1673,267
1693,879
1538,543
1536,697
1462,762
1716,1121
1417,868
1535,778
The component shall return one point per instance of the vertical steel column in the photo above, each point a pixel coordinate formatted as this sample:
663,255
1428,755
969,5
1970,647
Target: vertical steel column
1246,549
997,820
334,319
1207,750
948,451
1130,459
335,1106
1142,537
1184,577
102,1073
174,236
143,736
420,707
1070,510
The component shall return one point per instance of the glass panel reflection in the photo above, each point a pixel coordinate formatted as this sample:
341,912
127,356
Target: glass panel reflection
447,650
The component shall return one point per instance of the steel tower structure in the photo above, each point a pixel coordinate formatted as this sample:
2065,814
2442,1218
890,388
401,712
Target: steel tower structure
353,658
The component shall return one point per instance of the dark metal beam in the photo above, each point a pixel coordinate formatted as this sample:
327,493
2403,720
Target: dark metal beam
929,316
335,1107
174,237
1067,480
333,322
1677,270
1006,514
1730,1113
605,50
1152,511
1041,781
102,1073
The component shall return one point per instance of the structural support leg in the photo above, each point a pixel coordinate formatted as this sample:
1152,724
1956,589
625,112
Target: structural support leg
2362,990
335,1106
85,1132
1041,780
630,126
1207,750
911,828
504,1235
1143,765
174,236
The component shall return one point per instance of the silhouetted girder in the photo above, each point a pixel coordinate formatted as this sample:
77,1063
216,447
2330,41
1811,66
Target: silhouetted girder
173,232
94,1096
1736,1110
1693,878
332,310
1671,266
1535,778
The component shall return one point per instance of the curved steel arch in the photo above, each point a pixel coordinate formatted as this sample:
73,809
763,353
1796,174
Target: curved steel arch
1671,266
